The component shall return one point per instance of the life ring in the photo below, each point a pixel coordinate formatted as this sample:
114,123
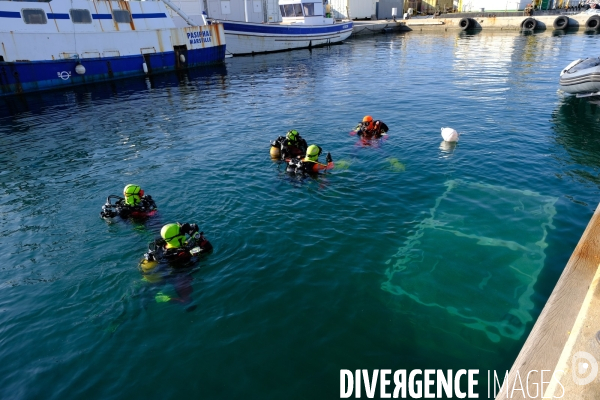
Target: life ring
466,24
561,22
529,24
593,23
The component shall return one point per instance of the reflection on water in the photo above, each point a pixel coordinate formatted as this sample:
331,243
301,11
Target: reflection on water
576,124
136,87
298,265
447,148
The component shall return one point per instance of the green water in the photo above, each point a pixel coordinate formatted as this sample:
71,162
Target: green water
412,254
497,249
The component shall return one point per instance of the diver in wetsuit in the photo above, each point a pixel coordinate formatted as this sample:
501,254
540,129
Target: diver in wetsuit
178,243
168,260
310,163
371,129
291,145
135,204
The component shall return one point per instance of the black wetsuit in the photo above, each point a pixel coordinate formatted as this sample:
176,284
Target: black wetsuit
180,255
304,166
289,148
124,210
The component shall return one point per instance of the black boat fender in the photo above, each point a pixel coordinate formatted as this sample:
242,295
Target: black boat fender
529,24
466,24
561,22
593,23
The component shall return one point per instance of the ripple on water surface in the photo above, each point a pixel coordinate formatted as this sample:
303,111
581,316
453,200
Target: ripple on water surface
465,240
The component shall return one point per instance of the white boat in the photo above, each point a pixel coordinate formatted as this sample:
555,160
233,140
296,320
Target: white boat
60,43
581,77
305,24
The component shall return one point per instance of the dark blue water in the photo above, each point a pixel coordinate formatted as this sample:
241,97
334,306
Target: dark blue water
411,254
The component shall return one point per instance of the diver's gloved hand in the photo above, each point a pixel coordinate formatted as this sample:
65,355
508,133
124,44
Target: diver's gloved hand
328,158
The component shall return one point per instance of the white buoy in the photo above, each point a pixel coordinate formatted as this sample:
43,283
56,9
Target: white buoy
182,58
449,135
145,67
80,69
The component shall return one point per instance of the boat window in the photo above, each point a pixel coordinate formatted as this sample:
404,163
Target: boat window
309,9
589,63
289,10
282,11
298,10
34,16
80,16
122,16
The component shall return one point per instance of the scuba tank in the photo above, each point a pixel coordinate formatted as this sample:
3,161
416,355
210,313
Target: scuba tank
276,145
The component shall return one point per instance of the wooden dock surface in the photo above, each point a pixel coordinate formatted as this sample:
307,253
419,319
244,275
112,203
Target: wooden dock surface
567,326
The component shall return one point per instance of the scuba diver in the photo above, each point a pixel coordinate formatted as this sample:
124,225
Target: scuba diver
170,257
135,204
292,145
371,129
310,163
178,244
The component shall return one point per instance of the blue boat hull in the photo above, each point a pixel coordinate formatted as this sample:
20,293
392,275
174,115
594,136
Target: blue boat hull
31,76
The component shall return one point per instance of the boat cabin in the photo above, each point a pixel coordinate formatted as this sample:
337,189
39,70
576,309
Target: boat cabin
309,12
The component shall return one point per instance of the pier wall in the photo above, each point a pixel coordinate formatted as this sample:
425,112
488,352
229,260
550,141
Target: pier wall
483,21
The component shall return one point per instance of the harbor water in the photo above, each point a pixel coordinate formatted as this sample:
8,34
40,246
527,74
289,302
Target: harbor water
412,253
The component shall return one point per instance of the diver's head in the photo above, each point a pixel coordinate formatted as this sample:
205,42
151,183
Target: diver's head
313,152
367,119
292,135
133,194
172,234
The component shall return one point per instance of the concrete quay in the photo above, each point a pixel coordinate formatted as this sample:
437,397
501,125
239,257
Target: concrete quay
484,21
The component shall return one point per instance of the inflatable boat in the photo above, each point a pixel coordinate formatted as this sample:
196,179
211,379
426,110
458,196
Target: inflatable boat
581,77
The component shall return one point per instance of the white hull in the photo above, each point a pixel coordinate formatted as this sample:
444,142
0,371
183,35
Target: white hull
581,77
276,37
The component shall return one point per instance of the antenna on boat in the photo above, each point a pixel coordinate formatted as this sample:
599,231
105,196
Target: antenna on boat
180,12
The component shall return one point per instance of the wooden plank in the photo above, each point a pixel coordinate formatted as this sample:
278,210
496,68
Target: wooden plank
550,333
